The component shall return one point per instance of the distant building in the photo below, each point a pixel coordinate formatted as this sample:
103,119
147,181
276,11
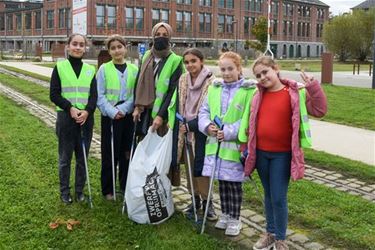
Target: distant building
366,5
296,25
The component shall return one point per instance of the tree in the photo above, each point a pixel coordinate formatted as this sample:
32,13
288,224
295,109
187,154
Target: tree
363,34
260,32
336,36
350,35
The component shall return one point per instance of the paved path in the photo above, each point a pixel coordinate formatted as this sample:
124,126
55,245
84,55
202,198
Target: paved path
349,142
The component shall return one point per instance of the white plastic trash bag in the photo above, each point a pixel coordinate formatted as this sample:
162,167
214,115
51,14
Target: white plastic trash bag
148,192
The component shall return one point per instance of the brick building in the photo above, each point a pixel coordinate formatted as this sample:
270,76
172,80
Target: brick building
296,24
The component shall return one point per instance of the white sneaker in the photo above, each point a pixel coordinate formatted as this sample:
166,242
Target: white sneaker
233,227
222,222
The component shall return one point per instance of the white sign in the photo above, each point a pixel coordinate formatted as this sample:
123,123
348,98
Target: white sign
79,16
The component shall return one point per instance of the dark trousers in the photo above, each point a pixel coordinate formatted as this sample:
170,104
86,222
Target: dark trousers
69,140
230,198
274,172
122,138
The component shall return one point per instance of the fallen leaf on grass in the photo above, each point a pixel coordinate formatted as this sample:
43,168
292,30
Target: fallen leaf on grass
69,223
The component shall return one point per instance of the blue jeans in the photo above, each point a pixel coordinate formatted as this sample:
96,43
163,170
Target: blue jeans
274,172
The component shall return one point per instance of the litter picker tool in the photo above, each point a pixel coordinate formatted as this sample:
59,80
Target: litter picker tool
187,152
220,126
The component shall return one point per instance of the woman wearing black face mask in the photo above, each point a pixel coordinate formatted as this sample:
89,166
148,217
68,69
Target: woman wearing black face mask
157,79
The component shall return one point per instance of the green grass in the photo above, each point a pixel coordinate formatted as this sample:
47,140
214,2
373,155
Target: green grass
48,65
30,200
38,93
350,106
348,168
336,219
21,71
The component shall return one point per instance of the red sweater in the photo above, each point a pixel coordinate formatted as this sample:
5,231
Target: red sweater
274,126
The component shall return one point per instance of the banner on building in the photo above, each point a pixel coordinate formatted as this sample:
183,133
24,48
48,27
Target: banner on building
79,16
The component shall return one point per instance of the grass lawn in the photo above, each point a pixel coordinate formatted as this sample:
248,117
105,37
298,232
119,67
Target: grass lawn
350,106
35,75
30,200
334,218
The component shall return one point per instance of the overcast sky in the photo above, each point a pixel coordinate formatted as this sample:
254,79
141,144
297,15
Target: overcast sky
341,6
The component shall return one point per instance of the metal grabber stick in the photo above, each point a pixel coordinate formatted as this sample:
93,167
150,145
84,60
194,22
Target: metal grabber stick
113,163
86,167
130,159
220,126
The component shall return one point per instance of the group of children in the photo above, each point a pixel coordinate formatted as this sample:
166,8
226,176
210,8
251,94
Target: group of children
267,118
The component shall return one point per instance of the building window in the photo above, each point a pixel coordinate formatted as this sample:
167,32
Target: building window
230,4
10,22
208,22
155,16
179,21
187,17
159,15
2,22
183,1
290,28
164,16
220,24
205,2
28,21
100,15
129,18
18,21
274,27
201,22
50,19
139,18
285,28
111,12
221,3
61,18
274,8
38,20
229,22
246,25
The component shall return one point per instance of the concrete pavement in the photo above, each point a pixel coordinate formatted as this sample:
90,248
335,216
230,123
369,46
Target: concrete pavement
349,142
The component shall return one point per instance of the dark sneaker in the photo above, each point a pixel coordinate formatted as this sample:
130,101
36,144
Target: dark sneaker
189,209
66,198
80,197
211,215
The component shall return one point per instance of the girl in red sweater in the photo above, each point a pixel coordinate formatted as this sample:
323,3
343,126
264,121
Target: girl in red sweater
278,129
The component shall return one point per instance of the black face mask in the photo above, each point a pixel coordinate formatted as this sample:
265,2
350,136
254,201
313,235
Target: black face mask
161,43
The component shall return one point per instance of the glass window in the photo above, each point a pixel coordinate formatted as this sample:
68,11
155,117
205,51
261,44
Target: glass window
139,18
208,22
230,24
220,24
221,3
179,22
201,22
50,18
28,20
61,18
246,24
230,4
274,28
111,16
10,22
100,14
155,16
187,16
68,18
2,22
129,18
18,21
38,20
165,16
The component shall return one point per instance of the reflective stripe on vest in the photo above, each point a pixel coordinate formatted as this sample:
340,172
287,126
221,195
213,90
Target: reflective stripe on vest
162,84
229,150
304,127
113,88
76,90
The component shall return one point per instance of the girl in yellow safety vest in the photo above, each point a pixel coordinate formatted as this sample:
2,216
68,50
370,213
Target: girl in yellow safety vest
227,99
116,81
73,90
278,129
